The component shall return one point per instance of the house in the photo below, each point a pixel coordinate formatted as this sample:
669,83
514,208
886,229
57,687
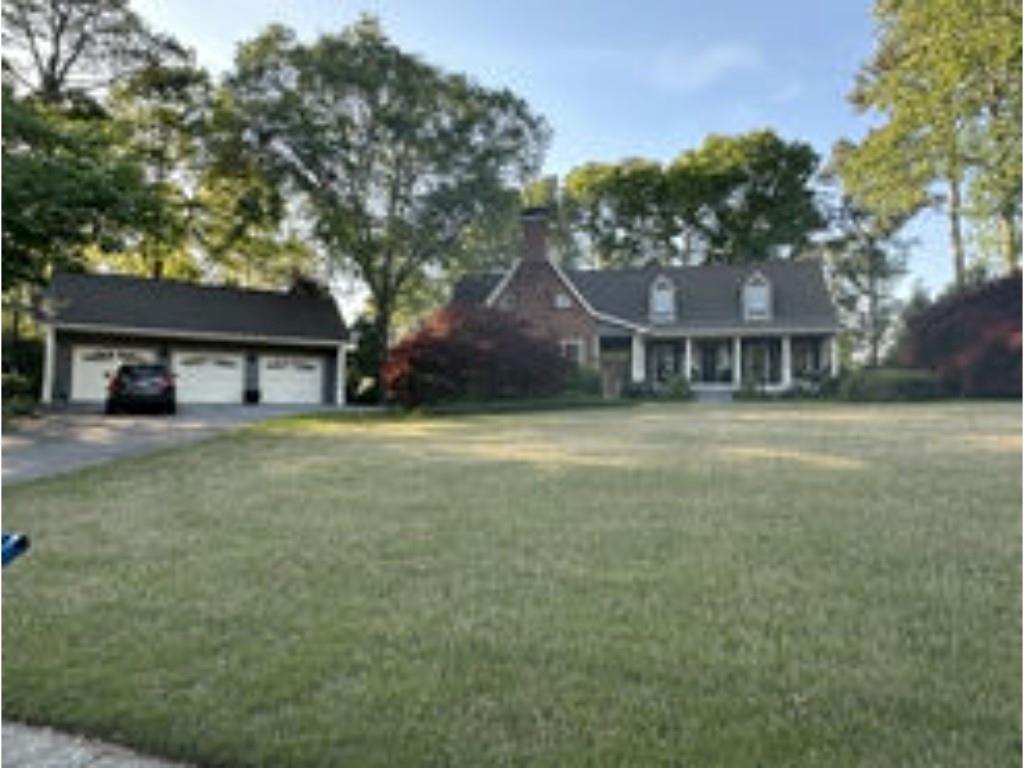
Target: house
224,345
772,323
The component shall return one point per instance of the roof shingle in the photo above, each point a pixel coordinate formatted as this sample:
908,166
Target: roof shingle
165,305
708,296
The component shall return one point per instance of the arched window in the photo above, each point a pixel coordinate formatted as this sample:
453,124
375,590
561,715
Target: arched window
757,298
663,300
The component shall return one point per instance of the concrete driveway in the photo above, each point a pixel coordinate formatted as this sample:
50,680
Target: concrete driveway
60,441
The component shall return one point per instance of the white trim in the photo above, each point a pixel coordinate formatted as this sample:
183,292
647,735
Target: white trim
502,284
339,384
661,284
833,359
496,292
586,304
572,288
638,359
577,342
758,278
712,333
787,362
688,358
737,361
202,335
49,355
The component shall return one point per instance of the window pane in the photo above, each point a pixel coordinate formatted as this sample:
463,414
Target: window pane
757,299
663,301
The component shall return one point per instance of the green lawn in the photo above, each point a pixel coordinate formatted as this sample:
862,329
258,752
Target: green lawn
749,585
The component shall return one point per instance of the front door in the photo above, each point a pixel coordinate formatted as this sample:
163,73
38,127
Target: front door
708,362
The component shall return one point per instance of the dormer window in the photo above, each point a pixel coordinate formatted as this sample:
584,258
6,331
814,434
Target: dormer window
663,300
757,298
562,300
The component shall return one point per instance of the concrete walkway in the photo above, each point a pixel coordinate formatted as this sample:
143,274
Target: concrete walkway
25,746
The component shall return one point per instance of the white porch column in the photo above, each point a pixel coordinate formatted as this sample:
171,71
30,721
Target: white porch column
737,361
787,362
639,359
339,384
833,356
49,359
688,358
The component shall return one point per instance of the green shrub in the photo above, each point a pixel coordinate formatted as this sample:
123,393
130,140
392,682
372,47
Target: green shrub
583,381
15,385
679,389
19,405
892,384
637,390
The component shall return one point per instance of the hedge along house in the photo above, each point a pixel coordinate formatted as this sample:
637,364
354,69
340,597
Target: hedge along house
224,345
769,324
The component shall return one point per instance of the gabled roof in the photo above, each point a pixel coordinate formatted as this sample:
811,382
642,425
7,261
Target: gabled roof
132,303
708,296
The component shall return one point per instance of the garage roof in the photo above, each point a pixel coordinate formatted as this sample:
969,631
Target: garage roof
136,304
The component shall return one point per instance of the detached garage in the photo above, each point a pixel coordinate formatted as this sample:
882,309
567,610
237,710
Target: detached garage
224,345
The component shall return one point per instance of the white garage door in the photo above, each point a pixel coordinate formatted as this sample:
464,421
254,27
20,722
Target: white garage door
92,366
291,379
205,376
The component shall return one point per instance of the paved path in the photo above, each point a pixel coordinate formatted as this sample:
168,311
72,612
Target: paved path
61,441
29,747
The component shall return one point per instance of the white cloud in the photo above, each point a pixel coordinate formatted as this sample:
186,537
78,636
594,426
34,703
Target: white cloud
692,71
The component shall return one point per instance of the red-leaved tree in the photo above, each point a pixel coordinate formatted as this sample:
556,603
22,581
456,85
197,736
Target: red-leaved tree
972,339
463,352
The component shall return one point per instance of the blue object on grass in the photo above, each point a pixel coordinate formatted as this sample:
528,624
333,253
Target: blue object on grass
14,544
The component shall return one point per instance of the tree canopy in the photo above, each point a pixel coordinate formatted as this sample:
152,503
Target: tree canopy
393,160
734,198
946,79
72,51
65,188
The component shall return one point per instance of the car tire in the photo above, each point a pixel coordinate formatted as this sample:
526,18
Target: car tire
109,409
171,409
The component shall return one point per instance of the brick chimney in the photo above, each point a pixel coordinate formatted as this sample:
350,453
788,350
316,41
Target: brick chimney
535,234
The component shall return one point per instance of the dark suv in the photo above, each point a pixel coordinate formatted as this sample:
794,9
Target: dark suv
144,387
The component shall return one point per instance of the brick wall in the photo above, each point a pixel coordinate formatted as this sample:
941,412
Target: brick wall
530,295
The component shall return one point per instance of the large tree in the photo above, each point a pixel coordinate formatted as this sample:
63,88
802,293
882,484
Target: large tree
623,211
392,159
747,197
946,78
734,198
66,187
867,261
73,51
160,113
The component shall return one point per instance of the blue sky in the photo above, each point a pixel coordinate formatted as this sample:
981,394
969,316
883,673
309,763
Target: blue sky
646,78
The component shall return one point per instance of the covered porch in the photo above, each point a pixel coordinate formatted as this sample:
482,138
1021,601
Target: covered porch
771,362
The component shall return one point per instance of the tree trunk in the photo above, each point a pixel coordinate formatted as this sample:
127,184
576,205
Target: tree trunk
873,337
382,329
1010,237
955,234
